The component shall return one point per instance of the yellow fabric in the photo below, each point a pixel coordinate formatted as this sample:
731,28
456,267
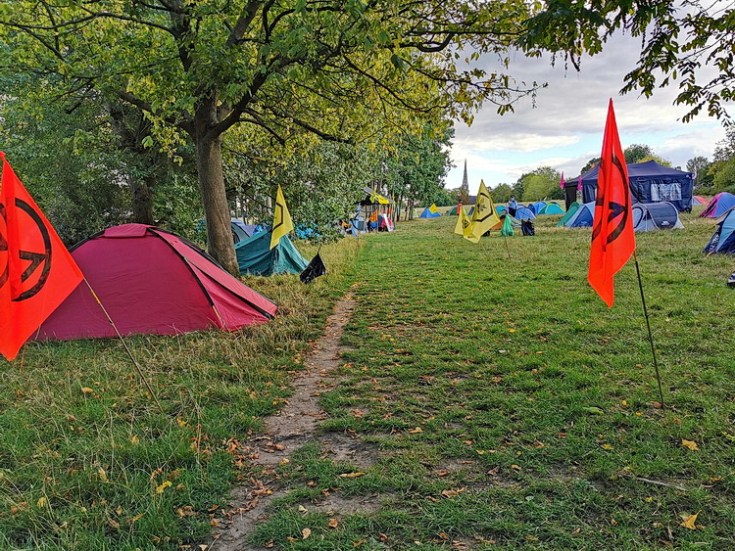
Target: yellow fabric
282,223
484,216
433,209
376,197
462,223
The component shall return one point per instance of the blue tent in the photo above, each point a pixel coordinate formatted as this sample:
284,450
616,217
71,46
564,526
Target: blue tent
536,207
719,205
428,214
723,240
551,208
583,217
650,182
240,230
524,213
255,257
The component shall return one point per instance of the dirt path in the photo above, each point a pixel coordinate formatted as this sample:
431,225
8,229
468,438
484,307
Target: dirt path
293,426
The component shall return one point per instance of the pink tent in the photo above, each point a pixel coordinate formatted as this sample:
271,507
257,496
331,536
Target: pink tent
151,281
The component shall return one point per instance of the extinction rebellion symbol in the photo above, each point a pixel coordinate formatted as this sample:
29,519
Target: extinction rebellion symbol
37,271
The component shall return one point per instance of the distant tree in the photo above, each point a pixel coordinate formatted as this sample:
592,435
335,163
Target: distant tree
724,177
699,166
501,193
542,183
637,153
592,163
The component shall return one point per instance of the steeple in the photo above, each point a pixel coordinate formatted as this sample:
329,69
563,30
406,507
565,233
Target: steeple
464,190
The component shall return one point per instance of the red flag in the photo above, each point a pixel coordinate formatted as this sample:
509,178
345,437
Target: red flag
36,271
562,183
613,240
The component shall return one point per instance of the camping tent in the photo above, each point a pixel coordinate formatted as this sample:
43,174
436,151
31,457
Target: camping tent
255,257
524,213
241,230
650,182
551,208
655,216
719,205
430,212
151,281
536,207
723,240
570,212
583,217
698,200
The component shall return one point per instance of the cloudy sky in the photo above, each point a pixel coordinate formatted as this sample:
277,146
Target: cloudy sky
565,128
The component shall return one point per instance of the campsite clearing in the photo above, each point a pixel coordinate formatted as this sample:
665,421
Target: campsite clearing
504,405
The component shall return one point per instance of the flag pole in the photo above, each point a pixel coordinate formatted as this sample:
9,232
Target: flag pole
648,326
125,346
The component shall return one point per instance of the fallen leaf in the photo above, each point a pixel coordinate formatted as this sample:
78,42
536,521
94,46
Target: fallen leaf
352,475
42,502
416,430
86,390
452,493
689,521
607,446
302,509
305,533
690,445
160,489
333,523
134,440
102,474
594,410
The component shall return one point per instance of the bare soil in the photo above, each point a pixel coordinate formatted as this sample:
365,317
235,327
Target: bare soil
292,427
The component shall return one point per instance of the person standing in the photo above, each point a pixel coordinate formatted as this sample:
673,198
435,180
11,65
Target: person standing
512,206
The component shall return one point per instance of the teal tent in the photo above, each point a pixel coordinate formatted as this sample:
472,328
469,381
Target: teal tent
570,212
551,208
255,257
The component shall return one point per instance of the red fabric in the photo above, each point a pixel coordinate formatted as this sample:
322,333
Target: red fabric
36,270
151,282
562,183
613,239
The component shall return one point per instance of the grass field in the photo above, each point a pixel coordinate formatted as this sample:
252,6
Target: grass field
507,407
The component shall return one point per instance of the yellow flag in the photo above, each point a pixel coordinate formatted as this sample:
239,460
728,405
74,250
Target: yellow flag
462,224
484,216
282,223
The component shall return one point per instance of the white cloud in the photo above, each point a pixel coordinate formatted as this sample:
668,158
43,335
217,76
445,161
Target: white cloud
564,129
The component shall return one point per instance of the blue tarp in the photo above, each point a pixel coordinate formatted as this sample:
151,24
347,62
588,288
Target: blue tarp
650,182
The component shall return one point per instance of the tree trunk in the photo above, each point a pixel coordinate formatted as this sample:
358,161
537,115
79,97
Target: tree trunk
216,210
143,201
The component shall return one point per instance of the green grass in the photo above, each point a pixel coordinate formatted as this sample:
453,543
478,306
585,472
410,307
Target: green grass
536,405
105,469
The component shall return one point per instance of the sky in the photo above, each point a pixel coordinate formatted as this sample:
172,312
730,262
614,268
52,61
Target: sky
564,130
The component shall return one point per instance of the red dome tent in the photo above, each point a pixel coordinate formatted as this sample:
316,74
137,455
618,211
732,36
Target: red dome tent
151,282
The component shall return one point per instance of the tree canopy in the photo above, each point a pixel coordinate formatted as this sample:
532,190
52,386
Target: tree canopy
343,70
680,44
